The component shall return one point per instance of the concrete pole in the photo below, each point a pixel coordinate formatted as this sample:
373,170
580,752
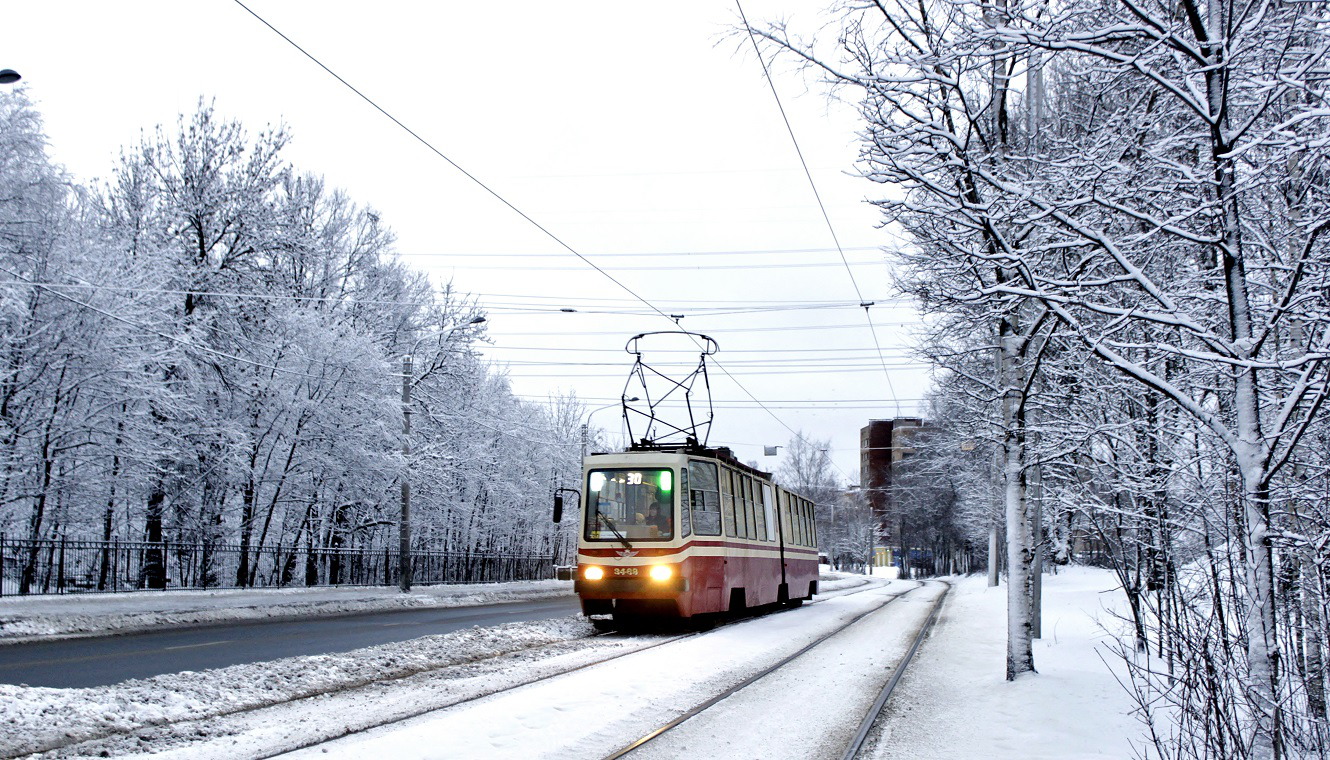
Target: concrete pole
404,524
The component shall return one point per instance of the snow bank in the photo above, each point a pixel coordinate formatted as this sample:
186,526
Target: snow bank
36,719
27,617
955,701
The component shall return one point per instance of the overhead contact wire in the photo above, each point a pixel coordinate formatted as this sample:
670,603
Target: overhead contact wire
514,208
766,72
451,162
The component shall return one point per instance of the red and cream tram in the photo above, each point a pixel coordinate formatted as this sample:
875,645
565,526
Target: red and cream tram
689,531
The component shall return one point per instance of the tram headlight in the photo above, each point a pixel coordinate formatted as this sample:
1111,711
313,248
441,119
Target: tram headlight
593,573
661,572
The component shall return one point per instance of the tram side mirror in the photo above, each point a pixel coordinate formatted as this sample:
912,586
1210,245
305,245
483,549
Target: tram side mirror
558,507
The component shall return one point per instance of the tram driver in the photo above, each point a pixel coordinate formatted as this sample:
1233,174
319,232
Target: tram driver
658,520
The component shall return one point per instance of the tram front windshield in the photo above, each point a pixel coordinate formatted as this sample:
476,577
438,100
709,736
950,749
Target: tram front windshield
631,505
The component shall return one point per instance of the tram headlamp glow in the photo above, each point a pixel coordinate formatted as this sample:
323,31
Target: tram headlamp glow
661,572
593,573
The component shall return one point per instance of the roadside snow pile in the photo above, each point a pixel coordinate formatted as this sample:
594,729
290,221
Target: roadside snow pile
954,701
38,719
23,617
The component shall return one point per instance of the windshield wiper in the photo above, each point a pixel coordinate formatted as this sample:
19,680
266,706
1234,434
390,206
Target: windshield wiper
612,527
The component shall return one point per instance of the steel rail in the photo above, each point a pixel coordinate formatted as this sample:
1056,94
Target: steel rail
426,710
871,717
695,711
94,742
435,708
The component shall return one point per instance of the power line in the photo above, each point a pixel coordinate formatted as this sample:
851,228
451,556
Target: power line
827,217
730,375
451,162
804,401
672,268
495,306
694,353
793,328
646,254
507,203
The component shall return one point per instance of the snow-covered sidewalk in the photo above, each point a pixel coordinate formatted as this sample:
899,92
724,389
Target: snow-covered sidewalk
25,617
955,701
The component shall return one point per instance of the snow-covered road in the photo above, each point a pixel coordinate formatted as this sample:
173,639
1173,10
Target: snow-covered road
815,702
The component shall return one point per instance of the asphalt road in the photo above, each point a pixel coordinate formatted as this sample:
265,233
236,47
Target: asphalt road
106,660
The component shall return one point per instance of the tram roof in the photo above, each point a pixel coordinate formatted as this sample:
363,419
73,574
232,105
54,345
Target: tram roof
722,453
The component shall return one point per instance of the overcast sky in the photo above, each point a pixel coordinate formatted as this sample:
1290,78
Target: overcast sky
627,129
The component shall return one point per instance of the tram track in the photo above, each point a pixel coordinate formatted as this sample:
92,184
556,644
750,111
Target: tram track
117,742
870,718
109,742
550,676
864,728
854,590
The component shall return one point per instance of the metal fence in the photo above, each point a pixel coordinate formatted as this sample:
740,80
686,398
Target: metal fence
66,566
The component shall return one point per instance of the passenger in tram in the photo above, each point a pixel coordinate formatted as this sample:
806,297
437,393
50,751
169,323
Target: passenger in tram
658,520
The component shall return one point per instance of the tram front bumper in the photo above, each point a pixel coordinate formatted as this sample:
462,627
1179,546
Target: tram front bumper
642,588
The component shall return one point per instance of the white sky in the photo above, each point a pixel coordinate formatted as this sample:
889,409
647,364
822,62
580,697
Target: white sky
623,128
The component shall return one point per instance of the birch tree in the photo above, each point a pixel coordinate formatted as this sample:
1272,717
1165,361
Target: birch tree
1162,209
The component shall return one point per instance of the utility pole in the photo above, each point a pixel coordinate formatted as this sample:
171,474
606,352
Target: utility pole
404,525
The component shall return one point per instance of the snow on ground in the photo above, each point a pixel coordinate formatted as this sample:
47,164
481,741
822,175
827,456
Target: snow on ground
27,617
955,701
818,700
41,718
597,710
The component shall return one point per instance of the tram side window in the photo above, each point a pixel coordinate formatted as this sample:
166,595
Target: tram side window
727,498
754,518
685,514
808,523
746,485
759,512
797,504
812,525
791,523
803,522
753,530
737,488
705,489
783,515
768,513
798,522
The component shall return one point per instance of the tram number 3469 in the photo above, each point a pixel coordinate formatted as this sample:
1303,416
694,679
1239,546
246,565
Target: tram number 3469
625,571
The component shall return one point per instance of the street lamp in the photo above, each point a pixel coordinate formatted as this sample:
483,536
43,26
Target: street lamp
587,423
9,76
404,524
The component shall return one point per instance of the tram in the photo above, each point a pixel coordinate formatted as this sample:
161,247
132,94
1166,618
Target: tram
683,531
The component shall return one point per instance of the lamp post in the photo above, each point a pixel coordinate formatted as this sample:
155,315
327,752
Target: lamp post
9,76
404,524
587,423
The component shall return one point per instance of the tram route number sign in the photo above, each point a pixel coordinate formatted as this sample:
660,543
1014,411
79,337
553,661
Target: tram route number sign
625,571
